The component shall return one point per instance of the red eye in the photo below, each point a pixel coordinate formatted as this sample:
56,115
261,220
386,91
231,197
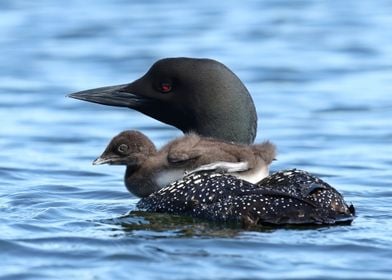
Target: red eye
165,87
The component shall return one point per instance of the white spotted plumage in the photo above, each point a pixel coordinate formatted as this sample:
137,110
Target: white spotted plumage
287,197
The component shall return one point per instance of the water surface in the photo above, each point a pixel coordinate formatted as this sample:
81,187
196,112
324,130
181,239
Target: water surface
320,75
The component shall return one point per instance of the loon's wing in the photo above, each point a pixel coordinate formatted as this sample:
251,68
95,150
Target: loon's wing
306,186
182,156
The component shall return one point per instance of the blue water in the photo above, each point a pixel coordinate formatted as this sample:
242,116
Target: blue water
320,73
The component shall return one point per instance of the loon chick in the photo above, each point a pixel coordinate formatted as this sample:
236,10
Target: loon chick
225,198
199,95
149,170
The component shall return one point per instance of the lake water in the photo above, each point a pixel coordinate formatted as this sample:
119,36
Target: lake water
320,73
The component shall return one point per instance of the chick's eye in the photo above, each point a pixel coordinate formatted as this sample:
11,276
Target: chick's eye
165,87
122,148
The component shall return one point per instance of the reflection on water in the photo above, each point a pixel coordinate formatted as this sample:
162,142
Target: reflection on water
320,75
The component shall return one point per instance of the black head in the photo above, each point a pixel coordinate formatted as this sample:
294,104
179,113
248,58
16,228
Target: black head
127,148
200,95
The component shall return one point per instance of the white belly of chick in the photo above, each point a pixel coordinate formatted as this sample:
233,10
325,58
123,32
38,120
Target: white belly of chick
165,177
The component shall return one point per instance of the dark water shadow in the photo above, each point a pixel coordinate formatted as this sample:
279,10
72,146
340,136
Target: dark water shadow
168,225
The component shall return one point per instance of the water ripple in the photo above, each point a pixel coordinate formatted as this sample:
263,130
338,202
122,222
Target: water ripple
319,74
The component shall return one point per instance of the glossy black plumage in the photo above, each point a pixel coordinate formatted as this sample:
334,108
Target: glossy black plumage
224,198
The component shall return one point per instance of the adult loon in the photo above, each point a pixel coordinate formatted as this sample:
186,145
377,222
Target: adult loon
204,96
149,170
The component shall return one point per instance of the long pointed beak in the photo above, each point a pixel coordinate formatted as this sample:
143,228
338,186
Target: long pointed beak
111,95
